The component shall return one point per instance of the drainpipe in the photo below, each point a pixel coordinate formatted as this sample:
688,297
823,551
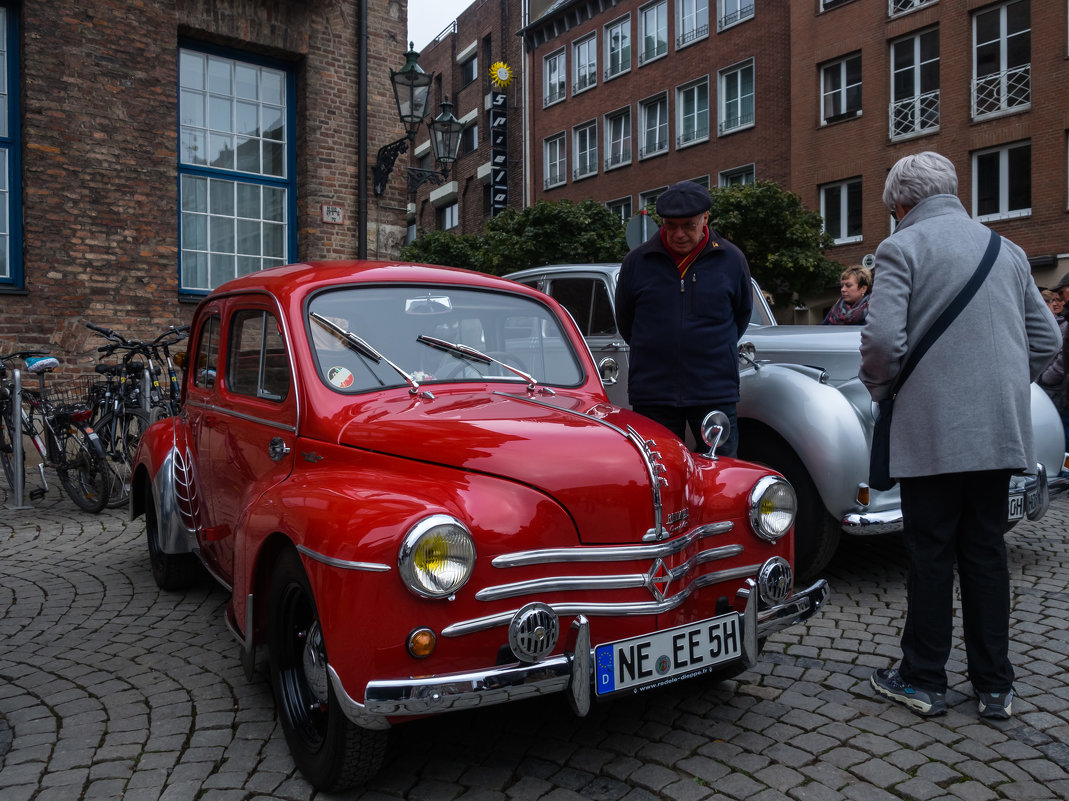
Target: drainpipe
362,147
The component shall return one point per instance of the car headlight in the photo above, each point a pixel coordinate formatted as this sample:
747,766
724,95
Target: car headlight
773,506
436,557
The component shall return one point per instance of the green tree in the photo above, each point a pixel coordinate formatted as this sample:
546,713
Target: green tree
444,247
783,241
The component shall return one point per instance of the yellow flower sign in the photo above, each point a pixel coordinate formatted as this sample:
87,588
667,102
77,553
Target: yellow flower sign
500,74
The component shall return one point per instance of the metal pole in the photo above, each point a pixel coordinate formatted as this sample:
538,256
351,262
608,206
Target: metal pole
361,101
16,443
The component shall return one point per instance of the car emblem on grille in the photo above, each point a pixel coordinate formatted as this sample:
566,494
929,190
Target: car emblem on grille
658,579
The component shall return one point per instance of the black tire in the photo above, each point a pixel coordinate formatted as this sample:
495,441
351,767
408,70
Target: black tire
816,533
82,467
330,750
120,445
170,571
7,448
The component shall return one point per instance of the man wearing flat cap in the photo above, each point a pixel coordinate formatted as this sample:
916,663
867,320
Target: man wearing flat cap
683,300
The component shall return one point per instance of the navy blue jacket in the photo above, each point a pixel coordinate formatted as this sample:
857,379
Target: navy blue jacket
684,333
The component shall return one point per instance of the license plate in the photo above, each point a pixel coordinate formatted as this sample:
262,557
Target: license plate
1016,507
664,656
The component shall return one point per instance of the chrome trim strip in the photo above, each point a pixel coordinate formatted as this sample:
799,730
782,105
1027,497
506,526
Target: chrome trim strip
569,609
611,553
344,564
888,522
624,581
796,609
242,416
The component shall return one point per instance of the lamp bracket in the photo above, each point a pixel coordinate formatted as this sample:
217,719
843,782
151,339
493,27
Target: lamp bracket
387,158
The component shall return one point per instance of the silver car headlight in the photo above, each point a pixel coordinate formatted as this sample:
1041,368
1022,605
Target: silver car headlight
436,557
773,506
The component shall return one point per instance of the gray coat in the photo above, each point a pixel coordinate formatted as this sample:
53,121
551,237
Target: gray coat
967,405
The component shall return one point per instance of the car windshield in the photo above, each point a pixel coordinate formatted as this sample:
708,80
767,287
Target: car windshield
508,328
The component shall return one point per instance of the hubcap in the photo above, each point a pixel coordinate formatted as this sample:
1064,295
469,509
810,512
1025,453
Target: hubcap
314,660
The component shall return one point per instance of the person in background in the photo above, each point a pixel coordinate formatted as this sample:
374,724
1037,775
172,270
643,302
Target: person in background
683,299
1053,380
953,474
1061,289
853,306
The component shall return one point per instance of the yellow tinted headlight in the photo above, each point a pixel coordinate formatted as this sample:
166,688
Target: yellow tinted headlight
436,557
773,506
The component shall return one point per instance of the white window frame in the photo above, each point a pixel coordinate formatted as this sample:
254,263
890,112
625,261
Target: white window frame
618,139
1006,178
692,22
660,145
648,199
585,150
896,8
839,69
585,64
622,207
1009,89
732,94
843,235
692,113
469,65
618,65
745,174
655,14
732,12
448,216
917,113
555,160
554,90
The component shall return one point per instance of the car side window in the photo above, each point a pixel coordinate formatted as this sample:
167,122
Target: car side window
207,354
256,356
587,300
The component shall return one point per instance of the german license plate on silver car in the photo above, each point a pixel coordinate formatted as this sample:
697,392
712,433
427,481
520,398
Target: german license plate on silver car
664,655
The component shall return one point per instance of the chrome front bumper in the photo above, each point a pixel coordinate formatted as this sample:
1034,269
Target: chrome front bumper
570,672
1032,492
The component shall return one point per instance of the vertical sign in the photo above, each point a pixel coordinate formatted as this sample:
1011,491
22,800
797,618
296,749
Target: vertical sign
499,152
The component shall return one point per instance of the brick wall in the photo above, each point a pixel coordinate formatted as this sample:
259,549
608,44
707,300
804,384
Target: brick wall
99,155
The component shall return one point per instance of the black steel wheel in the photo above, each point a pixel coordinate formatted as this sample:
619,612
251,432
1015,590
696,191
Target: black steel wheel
170,571
7,447
330,750
82,467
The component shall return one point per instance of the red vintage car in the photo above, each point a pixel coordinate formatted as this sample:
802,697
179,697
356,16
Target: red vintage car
412,483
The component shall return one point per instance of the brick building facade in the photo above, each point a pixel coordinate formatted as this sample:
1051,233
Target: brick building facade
154,149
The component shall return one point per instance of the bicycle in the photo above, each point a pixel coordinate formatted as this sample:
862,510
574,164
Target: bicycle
55,421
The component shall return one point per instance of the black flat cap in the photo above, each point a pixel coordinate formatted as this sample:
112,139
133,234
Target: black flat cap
685,199
1063,282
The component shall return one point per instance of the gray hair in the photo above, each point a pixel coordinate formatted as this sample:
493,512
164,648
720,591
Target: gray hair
915,177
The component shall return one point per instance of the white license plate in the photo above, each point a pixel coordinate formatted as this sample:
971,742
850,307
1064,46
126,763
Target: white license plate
664,655
1016,507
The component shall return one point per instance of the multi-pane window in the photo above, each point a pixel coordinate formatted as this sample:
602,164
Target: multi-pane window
554,77
654,121
896,7
733,11
618,138
1002,70
585,148
739,176
648,200
448,216
1002,182
840,87
469,139
737,97
585,63
692,21
553,161
692,109
469,70
653,31
621,208
10,192
840,206
236,189
915,84
617,47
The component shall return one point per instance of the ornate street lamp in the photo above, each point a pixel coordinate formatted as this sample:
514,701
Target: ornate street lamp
411,87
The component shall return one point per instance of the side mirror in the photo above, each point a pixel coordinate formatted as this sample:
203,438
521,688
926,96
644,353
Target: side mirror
715,429
609,371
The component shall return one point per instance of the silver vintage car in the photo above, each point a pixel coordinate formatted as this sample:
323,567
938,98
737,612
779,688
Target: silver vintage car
803,411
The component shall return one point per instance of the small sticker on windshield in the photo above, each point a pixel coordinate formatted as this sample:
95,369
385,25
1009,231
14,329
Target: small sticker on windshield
340,377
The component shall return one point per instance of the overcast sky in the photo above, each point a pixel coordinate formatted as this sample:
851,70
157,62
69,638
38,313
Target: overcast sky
428,18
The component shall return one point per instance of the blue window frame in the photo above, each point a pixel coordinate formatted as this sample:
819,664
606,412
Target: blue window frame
237,181
11,276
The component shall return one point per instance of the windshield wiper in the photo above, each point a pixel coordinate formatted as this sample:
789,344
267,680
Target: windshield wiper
476,356
364,348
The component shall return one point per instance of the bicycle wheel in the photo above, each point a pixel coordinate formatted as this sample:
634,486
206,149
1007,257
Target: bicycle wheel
119,435
7,446
82,467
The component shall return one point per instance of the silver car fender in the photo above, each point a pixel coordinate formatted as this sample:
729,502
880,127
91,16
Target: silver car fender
175,499
817,420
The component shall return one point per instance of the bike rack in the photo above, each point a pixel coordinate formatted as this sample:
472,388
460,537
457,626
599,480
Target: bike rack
16,444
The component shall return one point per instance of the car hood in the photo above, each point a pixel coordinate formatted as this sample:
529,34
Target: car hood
581,457
834,348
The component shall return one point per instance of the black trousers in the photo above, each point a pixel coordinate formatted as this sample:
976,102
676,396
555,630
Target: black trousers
676,419
957,517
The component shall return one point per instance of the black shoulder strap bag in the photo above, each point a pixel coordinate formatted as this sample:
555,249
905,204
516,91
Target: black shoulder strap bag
880,455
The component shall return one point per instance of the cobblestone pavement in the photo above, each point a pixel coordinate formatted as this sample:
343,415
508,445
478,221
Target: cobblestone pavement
110,688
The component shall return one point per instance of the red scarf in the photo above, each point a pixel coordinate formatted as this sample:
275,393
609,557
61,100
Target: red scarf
683,262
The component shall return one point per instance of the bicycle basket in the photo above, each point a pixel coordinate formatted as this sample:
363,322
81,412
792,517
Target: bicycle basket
73,396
